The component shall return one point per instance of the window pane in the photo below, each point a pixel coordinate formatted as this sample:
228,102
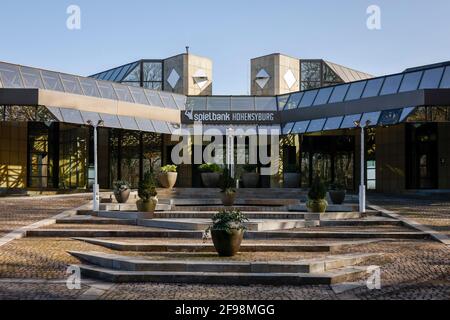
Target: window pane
372,117
445,83
134,75
316,125
10,76
242,103
333,123
106,90
89,87
152,71
168,101
373,87
349,121
310,71
161,126
111,121
355,91
145,125
123,93
52,80
123,71
300,127
154,98
308,98
431,78
72,116
266,103
282,101
219,103
389,117
93,116
31,78
287,128
139,95
71,84
293,101
411,81
391,84
180,101
128,123
339,93
406,112
323,96
196,103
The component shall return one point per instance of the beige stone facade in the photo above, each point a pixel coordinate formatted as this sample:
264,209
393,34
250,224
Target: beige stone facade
194,74
283,74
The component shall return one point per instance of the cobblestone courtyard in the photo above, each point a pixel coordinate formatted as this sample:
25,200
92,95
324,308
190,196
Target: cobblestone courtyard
35,268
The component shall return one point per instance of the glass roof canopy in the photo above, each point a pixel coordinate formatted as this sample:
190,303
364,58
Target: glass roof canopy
435,76
15,76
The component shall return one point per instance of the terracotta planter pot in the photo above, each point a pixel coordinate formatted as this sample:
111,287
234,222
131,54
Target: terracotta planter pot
168,179
228,199
146,209
291,180
317,206
337,196
227,244
122,196
210,179
250,179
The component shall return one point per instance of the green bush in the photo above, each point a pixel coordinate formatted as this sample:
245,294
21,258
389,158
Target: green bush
169,168
227,183
228,220
147,187
121,185
318,190
210,168
250,168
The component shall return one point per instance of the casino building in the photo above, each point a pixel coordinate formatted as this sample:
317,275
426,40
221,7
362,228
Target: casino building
46,144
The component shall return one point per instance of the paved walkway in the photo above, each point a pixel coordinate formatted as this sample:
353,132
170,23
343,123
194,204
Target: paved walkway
431,213
36,268
18,212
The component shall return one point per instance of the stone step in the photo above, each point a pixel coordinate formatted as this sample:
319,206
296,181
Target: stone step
127,263
130,207
330,208
257,235
345,274
209,214
203,224
92,220
137,246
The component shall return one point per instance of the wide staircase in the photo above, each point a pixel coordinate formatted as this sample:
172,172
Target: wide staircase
280,246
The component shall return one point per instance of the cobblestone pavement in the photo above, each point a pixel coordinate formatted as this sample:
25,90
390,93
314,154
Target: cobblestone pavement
432,213
18,212
409,269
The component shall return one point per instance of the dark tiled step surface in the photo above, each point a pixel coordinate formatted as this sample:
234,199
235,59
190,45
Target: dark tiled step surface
149,246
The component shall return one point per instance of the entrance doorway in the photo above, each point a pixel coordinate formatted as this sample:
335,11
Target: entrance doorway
422,156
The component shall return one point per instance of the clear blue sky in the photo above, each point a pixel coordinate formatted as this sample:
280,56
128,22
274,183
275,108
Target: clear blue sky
414,32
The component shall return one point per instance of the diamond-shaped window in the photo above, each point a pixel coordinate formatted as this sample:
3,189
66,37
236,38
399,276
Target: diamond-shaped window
200,78
290,79
262,77
173,78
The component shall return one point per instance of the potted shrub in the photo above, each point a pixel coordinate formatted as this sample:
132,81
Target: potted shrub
148,196
250,177
337,193
291,176
210,173
121,191
168,176
227,232
228,191
317,202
